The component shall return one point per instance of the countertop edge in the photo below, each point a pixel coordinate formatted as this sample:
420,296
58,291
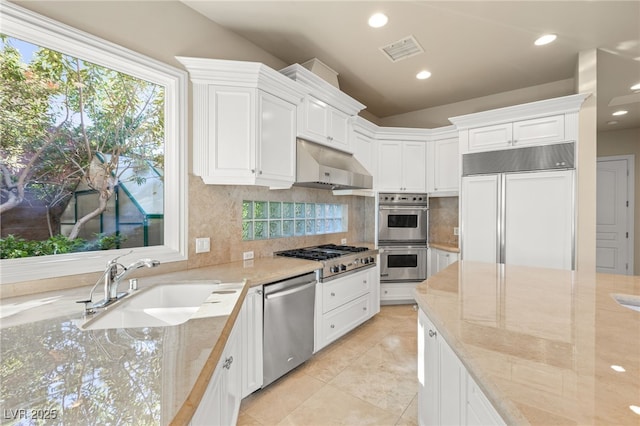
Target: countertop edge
445,247
189,407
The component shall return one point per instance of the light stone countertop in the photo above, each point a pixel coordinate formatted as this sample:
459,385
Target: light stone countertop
153,375
541,343
450,247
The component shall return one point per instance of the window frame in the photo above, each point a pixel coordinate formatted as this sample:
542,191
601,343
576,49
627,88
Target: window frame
33,28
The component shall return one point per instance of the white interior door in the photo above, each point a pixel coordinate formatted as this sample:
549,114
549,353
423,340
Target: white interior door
613,216
539,219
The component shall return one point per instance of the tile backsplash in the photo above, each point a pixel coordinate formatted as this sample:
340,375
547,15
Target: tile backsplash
443,217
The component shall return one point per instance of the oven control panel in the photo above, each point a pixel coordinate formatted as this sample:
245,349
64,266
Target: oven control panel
419,199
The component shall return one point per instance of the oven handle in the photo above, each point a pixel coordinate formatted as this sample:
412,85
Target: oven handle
421,208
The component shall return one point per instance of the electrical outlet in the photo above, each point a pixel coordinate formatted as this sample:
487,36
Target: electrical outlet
247,255
456,231
343,241
203,245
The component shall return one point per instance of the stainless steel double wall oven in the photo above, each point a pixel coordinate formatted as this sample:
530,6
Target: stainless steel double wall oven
403,231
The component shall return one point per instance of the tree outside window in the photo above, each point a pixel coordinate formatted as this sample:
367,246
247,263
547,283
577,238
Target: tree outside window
81,155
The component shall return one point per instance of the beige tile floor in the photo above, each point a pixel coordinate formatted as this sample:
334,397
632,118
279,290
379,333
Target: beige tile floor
366,378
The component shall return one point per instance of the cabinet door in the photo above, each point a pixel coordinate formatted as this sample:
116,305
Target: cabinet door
390,165
232,150
364,150
489,138
539,219
231,383
479,411
397,291
339,133
538,131
444,259
220,403
313,120
446,165
277,141
251,317
479,214
428,372
414,166
452,386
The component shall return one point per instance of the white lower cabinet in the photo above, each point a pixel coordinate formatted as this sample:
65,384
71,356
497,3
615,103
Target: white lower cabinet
440,259
251,338
447,395
397,292
220,404
344,303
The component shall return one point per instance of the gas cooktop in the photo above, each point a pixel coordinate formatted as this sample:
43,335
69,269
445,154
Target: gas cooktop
336,259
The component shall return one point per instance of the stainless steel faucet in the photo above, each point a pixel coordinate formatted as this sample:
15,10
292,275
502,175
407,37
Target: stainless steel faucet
113,275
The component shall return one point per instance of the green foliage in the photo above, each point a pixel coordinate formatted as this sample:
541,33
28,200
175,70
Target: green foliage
13,247
58,114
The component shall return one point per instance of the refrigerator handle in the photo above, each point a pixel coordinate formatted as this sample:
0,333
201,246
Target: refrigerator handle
502,217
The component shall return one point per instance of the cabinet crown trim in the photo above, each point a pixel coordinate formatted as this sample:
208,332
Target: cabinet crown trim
561,105
323,90
222,72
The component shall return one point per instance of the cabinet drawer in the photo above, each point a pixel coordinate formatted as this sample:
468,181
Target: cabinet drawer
397,291
345,318
341,291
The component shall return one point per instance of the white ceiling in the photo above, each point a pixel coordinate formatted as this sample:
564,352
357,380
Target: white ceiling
472,48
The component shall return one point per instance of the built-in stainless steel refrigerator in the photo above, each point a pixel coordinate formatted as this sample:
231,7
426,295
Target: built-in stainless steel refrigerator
518,206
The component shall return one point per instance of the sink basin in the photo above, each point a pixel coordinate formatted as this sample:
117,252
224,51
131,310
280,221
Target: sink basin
628,301
164,305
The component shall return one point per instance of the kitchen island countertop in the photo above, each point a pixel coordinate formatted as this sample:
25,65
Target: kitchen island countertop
153,375
546,346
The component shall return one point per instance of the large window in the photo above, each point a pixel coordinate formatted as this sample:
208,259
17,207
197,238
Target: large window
92,141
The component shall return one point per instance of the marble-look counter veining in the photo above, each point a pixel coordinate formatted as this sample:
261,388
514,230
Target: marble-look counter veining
541,343
116,376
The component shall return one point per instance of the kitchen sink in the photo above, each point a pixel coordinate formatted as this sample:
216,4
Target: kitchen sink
164,305
628,301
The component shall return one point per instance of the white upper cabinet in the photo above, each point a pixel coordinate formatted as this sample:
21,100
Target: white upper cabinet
519,133
402,166
244,123
325,115
321,123
363,144
443,163
536,123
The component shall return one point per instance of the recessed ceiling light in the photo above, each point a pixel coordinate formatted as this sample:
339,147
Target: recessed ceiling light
618,368
635,86
378,20
635,409
612,122
545,39
620,112
423,75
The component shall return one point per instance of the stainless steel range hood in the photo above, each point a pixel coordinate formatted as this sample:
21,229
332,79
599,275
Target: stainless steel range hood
323,167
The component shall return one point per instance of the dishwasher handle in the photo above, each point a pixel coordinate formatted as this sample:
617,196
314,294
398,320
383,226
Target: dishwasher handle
289,290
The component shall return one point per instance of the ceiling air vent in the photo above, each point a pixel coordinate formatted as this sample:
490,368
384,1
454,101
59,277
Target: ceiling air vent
402,49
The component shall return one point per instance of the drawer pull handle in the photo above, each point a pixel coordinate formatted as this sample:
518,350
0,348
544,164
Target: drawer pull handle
333,294
333,326
432,333
228,362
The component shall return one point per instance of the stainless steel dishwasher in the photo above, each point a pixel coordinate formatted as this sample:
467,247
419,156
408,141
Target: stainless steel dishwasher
288,325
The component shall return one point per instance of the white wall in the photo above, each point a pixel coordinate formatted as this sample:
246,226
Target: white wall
439,116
